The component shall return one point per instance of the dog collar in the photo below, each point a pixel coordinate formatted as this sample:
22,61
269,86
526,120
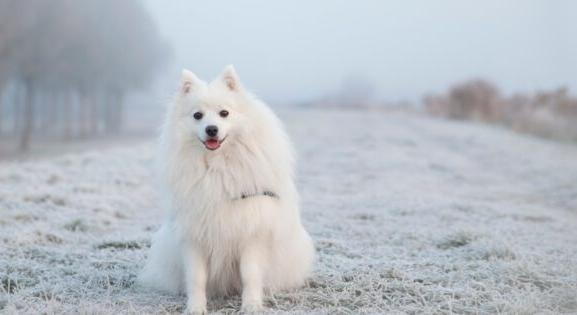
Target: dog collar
267,193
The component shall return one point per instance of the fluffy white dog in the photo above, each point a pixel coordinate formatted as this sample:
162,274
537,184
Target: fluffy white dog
233,223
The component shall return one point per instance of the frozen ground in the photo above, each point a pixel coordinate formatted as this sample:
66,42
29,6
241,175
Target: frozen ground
409,215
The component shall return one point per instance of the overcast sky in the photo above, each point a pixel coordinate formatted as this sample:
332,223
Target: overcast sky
296,50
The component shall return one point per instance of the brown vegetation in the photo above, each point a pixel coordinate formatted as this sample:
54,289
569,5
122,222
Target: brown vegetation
551,114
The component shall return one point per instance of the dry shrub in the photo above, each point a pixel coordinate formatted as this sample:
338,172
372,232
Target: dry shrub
551,114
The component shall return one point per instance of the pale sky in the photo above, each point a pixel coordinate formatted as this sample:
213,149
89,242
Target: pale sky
296,50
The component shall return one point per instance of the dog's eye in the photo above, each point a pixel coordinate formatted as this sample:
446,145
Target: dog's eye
197,115
223,113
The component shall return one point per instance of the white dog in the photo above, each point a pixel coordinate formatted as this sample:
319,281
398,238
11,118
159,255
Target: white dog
233,223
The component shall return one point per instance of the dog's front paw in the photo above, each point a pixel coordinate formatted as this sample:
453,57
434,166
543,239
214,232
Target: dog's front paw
195,310
251,307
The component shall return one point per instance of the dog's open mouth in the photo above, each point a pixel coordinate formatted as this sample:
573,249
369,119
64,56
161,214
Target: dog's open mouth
213,143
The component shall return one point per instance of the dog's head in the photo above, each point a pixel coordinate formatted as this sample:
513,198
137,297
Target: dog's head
212,114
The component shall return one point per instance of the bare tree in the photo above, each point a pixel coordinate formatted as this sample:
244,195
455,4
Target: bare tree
85,54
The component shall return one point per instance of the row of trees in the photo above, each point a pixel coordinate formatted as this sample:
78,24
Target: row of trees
546,113
66,65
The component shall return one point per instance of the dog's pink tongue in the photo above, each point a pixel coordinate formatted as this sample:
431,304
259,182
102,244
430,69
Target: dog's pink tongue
212,144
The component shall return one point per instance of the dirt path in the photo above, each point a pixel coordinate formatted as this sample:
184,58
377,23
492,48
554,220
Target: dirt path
408,215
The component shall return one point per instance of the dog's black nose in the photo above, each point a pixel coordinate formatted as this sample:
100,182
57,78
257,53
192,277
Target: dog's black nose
212,130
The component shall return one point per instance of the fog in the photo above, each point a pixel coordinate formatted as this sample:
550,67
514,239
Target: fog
77,70
297,50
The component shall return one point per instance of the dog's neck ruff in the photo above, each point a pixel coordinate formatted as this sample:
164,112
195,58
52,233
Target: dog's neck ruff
267,193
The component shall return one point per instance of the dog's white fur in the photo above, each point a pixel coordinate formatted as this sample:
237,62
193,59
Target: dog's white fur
213,242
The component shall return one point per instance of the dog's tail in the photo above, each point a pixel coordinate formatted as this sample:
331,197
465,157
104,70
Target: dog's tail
163,269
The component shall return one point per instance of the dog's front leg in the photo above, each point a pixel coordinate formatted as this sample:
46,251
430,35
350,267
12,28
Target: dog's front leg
195,267
251,266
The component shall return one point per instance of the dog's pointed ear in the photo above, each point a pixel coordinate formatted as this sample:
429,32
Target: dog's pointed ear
230,78
189,82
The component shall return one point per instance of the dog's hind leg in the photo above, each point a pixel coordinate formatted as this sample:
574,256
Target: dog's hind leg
163,269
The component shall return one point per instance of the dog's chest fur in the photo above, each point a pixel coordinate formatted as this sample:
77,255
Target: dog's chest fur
210,205
234,173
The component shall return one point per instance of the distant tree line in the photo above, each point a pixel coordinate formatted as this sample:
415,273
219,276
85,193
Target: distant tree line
66,65
551,114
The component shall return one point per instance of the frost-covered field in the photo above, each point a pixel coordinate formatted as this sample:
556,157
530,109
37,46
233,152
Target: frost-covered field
409,215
